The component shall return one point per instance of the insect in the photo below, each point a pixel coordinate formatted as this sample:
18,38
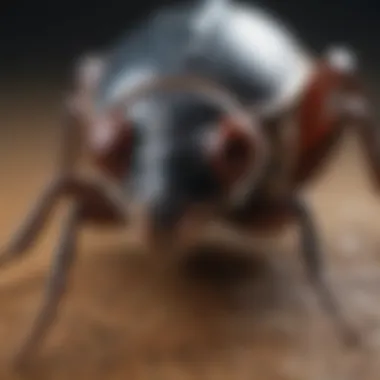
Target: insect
207,110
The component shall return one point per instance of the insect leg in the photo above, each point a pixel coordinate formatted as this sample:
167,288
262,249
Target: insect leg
33,223
312,256
70,139
63,260
92,201
38,216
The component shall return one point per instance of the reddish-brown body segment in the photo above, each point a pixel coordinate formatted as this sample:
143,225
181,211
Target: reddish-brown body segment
320,125
113,159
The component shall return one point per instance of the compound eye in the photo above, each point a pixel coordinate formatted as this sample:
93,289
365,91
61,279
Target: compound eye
232,151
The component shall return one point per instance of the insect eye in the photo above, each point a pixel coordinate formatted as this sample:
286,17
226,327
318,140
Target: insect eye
231,152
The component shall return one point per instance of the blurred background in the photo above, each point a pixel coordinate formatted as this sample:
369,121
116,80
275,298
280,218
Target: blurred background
42,38
124,318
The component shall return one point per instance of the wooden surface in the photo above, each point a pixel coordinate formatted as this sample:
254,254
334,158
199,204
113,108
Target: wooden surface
125,318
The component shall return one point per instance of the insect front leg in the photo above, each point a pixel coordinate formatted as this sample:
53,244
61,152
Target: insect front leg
33,223
92,200
36,219
62,263
313,260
